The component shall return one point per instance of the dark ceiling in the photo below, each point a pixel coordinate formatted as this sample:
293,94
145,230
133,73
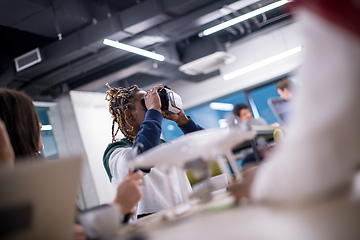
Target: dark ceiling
69,34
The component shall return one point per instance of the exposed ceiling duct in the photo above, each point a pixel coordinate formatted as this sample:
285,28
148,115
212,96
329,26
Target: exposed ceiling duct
203,56
207,64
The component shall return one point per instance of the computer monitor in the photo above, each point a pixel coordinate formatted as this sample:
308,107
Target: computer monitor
280,108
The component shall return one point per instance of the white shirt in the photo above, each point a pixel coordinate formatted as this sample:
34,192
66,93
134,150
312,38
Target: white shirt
321,151
154,189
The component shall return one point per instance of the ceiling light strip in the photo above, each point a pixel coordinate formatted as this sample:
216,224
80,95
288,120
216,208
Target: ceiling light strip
46,128
221,106
262,63
135,50
242,18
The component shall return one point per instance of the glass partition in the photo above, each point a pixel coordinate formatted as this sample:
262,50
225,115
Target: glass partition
50,150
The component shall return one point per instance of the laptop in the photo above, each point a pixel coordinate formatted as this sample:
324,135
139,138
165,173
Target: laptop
38,199
280,108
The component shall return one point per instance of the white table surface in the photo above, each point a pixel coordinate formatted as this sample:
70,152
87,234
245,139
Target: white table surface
332,219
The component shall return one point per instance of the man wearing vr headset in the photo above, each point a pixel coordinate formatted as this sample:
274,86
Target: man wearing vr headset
141,125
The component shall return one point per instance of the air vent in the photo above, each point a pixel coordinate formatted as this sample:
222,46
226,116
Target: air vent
27,60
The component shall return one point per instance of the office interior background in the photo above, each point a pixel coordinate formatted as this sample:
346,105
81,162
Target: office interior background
54,51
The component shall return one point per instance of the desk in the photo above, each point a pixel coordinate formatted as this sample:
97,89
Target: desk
265,132
332,220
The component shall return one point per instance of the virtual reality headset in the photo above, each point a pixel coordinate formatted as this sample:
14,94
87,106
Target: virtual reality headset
170,101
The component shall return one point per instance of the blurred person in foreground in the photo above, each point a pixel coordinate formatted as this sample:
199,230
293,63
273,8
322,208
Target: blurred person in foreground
7,155
321,153
22,124
20,141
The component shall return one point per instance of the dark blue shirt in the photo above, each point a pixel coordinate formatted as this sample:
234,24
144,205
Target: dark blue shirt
150,129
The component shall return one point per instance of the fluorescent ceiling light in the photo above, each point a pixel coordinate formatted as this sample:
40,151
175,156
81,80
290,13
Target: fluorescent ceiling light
132,49
261,63
242,18
46,128
221,106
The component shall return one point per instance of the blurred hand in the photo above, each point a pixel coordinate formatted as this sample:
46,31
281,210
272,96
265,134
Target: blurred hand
180,118
7,155
79,232
152,99
275,124
242,189
129,192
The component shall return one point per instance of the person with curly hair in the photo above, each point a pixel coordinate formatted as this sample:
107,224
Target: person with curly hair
140,126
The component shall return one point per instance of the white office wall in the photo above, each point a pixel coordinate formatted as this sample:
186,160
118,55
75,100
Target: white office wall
247,52
94,121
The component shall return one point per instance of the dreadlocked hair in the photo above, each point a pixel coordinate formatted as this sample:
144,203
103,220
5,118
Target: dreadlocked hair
120,100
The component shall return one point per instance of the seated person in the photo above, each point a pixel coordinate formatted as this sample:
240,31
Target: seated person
244,116
242,113
140,126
